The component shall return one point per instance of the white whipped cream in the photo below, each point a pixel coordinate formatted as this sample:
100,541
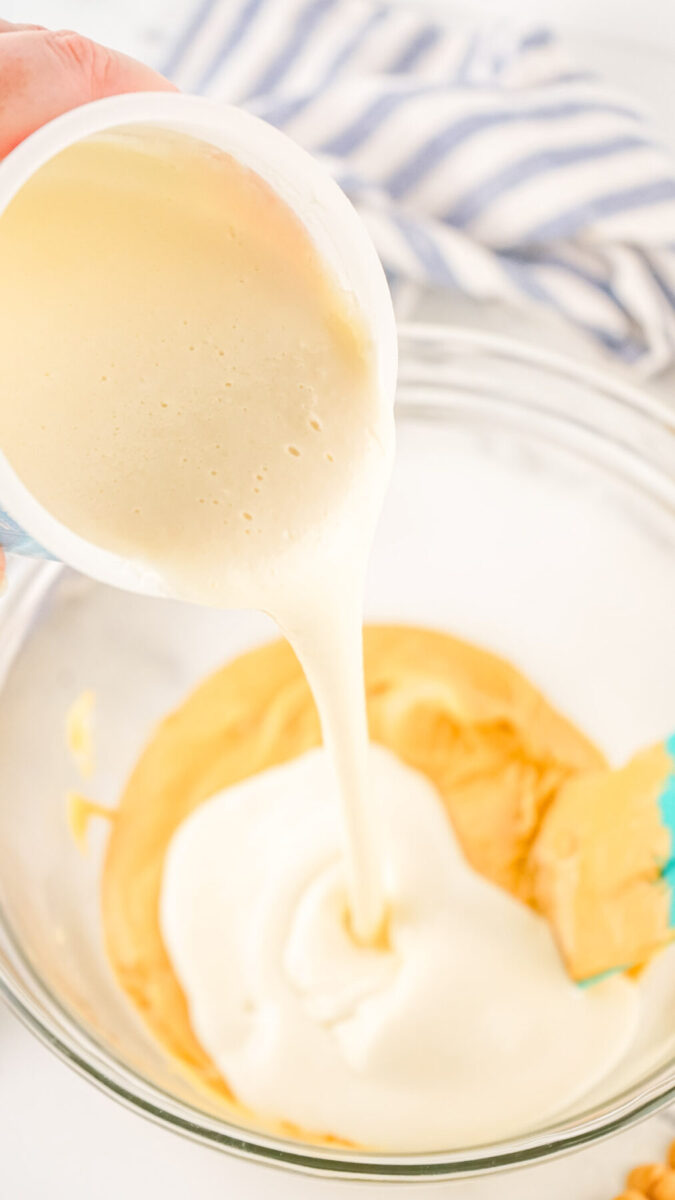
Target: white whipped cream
464,1028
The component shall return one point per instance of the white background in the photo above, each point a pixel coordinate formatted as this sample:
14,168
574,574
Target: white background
60,1139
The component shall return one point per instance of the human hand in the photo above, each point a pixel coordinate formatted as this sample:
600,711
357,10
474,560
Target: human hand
45,73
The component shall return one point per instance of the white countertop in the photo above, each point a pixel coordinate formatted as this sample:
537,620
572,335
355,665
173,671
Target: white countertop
61,1139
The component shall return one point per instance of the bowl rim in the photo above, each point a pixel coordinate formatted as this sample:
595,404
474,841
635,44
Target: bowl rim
56,1028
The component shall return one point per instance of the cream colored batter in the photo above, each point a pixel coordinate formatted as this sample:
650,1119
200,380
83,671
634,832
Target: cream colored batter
198,395
194,391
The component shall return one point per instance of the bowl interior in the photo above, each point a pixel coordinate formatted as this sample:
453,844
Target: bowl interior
517,518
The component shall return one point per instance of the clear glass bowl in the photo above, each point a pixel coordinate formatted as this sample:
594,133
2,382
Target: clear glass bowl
532,510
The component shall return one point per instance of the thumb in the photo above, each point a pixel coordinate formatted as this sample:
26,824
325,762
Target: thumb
44,74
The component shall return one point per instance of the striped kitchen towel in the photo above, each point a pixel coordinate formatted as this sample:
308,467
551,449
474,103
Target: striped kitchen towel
479,159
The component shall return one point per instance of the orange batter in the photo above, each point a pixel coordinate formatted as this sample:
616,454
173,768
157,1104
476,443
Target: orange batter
495,749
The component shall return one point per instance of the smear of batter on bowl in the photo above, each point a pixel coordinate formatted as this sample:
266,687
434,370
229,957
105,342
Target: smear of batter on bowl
80,733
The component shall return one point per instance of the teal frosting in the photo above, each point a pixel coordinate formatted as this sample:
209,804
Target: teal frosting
667,810
593,979
669,877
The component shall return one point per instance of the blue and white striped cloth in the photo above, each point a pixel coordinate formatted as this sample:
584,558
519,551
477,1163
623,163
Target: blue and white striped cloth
480,160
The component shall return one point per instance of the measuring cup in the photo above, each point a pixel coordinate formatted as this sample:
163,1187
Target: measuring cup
26,527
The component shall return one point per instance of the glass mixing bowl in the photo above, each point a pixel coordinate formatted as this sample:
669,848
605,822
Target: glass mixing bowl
532,510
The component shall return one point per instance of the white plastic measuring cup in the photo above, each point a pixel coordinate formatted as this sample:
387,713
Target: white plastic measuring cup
330,220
